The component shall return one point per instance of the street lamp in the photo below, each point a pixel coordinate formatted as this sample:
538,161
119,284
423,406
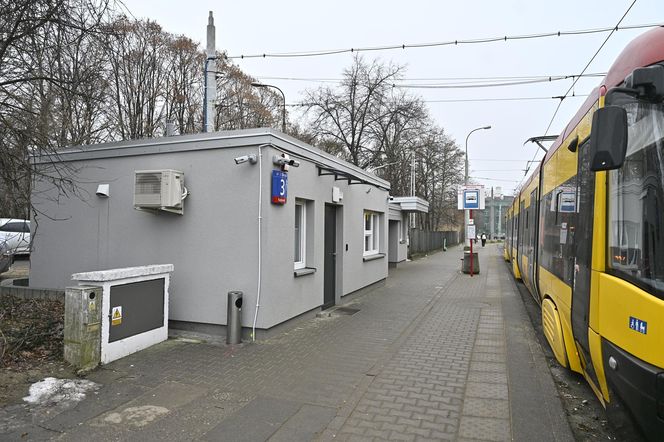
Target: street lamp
283,112
466,217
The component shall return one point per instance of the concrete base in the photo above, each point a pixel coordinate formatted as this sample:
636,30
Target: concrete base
466,263
176,328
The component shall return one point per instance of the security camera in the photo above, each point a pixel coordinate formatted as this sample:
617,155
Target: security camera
281,161
245,158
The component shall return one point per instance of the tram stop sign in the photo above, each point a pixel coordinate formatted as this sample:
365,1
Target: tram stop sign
470,198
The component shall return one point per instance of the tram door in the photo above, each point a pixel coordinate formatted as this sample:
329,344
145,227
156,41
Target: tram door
582,246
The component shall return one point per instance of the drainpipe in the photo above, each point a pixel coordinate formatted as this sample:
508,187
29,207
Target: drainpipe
260,241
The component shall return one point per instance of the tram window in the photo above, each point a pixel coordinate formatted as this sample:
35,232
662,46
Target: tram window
636,202
559,221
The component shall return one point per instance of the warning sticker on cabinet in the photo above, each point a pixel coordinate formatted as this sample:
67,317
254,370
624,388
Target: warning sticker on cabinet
116,315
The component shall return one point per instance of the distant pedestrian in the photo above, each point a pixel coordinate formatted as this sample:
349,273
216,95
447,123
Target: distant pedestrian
483,239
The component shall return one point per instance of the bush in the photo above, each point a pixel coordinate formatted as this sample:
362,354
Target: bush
31,330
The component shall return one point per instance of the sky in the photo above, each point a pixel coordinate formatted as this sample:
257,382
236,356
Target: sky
497,156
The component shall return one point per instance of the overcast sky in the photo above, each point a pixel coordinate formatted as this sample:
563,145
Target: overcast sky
497,156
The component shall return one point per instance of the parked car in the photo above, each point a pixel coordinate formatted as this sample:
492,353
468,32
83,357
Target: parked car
15,233
6,257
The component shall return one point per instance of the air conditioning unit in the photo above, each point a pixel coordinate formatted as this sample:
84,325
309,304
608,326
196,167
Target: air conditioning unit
159,190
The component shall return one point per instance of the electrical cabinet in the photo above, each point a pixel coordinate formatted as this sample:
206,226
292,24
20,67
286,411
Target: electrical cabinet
82,334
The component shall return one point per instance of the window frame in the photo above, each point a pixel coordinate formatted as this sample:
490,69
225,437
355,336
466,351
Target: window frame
302,234
373,233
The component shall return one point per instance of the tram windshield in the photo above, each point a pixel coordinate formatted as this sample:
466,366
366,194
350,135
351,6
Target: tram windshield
636,200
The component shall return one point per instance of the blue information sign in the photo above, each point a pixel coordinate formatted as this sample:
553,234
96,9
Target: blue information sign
279,187
471,199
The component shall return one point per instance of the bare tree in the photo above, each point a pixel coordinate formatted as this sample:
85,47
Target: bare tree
137,50
439,173
43,84
184,88
398,130
73,73
369,122
240,105
344,119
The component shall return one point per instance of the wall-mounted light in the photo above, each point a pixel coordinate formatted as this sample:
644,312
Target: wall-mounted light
103,190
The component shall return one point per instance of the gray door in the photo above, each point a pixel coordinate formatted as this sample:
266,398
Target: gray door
393,241
329,271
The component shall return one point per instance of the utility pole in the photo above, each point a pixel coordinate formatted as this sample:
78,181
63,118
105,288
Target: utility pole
210,72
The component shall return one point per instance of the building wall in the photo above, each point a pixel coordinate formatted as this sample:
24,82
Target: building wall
398,222
214,245
305,184
492,219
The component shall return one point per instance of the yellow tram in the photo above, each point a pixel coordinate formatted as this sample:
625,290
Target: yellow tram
586,235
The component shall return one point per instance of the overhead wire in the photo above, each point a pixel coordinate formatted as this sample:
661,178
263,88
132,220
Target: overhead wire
613,30
493,179
472,100
479,85
462,79
403,46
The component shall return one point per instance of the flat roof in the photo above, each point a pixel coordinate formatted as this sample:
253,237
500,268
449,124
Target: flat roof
216,140
411,203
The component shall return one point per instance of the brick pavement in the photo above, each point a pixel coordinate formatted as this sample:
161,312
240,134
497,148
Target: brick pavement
425,358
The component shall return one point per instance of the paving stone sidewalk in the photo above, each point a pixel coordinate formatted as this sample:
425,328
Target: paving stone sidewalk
430,355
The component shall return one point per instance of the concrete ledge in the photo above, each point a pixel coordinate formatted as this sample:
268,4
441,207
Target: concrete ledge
124,273
304,271
32,293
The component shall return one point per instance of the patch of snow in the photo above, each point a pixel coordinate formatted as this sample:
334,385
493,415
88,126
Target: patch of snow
54,391
134,417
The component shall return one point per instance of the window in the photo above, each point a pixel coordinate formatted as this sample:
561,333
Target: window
15,227
636,202
371,233
558,212
300,235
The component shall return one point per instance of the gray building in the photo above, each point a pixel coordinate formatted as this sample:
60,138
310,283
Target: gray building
492,220
293,242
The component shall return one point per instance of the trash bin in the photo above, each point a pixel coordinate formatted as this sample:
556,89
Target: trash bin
233,318
466,263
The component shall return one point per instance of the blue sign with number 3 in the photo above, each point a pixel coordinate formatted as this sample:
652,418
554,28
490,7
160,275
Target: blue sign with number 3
279,187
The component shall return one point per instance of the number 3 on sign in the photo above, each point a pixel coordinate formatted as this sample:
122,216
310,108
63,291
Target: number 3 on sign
279,187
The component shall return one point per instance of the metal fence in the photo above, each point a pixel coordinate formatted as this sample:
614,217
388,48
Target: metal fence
423,241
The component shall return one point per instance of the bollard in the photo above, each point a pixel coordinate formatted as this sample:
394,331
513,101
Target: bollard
233,318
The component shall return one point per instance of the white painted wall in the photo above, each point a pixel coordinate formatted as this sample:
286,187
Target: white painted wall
213,246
